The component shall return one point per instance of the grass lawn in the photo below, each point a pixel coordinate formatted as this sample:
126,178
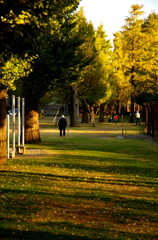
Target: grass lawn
90,185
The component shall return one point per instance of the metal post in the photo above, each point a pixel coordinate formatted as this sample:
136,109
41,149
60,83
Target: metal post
8,124
18,121
23,122
13,121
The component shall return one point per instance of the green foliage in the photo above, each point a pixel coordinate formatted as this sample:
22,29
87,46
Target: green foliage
63,49
74,52
96,76
60,58
14,69
136,54
121,81
22,25
146,97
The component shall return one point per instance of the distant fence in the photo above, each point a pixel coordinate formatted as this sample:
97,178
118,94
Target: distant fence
152,118
52,109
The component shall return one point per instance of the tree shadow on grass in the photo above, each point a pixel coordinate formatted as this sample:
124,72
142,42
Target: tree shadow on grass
16,208
86,193
36,235
105,165
132,148
109,165
98,233
124,167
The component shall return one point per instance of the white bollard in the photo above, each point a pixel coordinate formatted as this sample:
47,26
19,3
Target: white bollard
13,121
23,122
8,133
19,121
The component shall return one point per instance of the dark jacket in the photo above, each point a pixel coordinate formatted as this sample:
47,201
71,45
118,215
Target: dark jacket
62,123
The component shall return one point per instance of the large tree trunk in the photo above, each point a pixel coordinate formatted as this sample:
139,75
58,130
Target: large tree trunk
74,108
3,95
101,115
85,112
32,132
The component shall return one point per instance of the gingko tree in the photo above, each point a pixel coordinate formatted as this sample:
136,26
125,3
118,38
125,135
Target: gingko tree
96,76
134,41
121,82
150,26
22,24
134,46
149,88
51,68
79,54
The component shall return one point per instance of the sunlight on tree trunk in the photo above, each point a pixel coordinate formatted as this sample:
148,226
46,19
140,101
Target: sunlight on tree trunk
3,94
92,114
32,133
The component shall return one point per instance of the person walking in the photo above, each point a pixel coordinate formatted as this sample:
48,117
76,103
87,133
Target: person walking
62,125
137,118
116,118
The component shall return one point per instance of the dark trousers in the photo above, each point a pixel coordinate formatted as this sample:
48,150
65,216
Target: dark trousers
138,121
62,132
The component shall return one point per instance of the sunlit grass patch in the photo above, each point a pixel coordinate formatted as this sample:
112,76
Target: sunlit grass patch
86,188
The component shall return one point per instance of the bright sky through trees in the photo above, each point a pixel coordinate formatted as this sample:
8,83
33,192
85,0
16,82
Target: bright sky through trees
113,13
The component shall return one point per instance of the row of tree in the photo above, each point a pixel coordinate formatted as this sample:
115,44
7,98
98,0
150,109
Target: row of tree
49,49
135,58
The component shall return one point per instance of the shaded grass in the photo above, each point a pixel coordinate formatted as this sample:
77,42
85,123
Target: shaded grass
86,188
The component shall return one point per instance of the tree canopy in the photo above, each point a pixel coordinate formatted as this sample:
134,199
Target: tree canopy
135,55
46,46
22,24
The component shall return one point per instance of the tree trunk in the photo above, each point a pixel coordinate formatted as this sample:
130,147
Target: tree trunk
101,115
118,107
144,114
146,117
32,132
84,113
92,114
132,109
3,95
74,107
132,97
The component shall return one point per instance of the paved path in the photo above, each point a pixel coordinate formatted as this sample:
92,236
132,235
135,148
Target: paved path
152,142
140,136
34,152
